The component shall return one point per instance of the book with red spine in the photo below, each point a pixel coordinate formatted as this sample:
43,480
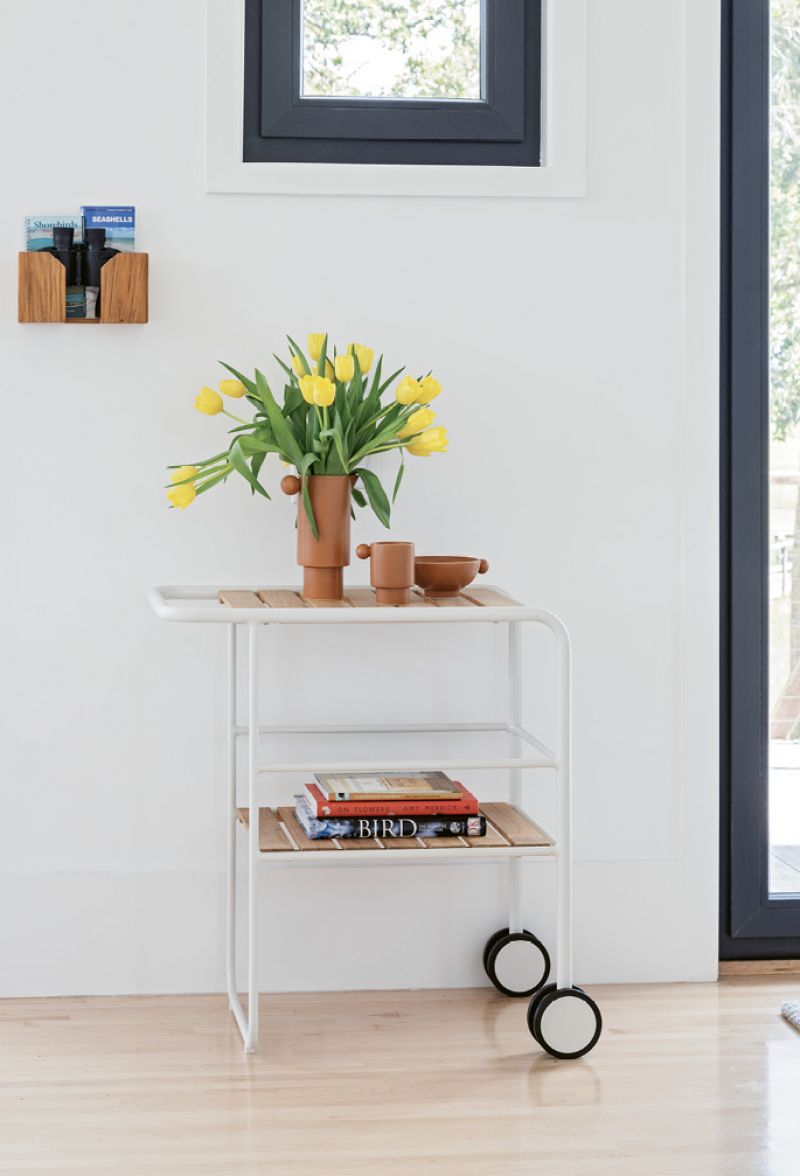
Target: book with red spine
464,805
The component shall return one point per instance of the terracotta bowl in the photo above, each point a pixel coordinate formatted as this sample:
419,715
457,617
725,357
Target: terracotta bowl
446,575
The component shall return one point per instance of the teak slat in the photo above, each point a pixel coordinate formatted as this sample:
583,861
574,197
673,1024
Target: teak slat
358,843
325,603
271,837
281,598
516,828
361,597
453,602
491,838
489,598
123,289
445,842
402,843
297,832
238,598
42,289
420,600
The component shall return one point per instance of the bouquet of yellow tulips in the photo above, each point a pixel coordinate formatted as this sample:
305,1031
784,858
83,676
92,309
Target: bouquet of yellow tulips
333,417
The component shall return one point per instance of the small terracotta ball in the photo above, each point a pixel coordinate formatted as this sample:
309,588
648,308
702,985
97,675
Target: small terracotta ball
290,484
363,551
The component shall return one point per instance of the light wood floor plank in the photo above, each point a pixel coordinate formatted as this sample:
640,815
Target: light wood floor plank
688,1080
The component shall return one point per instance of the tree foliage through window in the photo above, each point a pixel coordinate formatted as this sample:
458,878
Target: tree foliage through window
785,218
383,48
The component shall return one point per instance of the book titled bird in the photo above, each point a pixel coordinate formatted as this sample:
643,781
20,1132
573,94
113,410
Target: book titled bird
389,828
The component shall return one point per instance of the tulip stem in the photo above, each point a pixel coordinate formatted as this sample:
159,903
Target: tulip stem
235,418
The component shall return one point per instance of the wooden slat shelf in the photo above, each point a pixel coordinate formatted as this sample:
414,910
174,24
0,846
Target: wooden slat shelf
362,597
279,832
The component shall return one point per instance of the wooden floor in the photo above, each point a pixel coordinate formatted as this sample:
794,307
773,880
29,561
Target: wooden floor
688,1080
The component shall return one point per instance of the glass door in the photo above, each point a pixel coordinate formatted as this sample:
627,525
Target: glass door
761,479
784,450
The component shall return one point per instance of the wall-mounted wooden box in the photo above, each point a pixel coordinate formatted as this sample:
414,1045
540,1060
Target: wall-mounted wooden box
43,295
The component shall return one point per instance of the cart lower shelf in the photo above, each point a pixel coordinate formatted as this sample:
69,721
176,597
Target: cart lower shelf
508,833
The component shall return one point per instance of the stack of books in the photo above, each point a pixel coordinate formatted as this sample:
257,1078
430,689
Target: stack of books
389,805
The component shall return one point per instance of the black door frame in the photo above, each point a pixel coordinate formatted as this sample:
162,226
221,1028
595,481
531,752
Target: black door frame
753,923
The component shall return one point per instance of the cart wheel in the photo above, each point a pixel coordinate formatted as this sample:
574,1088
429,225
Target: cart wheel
537,996
517,964
490,942
565,1022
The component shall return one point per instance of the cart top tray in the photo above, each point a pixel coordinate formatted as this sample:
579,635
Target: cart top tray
284,606
507,829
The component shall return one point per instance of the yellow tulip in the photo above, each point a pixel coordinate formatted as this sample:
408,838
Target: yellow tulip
345,368
430,390
297,365
364,354
233,388
317,390
431,441
182,474
182,496
419,420
314,343
408,390
329,370
324,391
208,401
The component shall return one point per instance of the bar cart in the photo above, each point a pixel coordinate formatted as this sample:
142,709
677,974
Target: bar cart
562,1018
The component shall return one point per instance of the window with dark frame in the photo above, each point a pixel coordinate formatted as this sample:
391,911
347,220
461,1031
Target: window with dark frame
378,81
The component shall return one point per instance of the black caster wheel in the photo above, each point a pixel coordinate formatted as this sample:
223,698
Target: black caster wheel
565,1022
537,996
517,964
490,942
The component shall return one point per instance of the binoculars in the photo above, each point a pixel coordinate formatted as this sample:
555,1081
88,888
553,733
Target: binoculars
83,262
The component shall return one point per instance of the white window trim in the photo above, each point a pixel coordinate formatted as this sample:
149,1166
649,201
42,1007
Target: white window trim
563,170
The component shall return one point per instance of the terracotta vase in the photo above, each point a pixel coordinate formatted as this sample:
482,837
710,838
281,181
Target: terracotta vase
323,560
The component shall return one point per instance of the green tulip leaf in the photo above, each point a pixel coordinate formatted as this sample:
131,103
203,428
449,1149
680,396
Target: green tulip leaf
392,377
282,431
221,477
284,366
239,463
299,351
376,378
358,497
376,495
309,509
398,480
256,463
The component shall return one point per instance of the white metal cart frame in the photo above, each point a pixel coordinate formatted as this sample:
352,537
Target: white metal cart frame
202,605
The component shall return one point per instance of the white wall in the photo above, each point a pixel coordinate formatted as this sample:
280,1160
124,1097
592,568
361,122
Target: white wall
576,340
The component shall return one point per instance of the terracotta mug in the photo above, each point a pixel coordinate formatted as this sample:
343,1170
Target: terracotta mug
391,571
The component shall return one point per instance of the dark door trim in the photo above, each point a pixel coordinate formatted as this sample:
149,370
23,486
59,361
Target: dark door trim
753,923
